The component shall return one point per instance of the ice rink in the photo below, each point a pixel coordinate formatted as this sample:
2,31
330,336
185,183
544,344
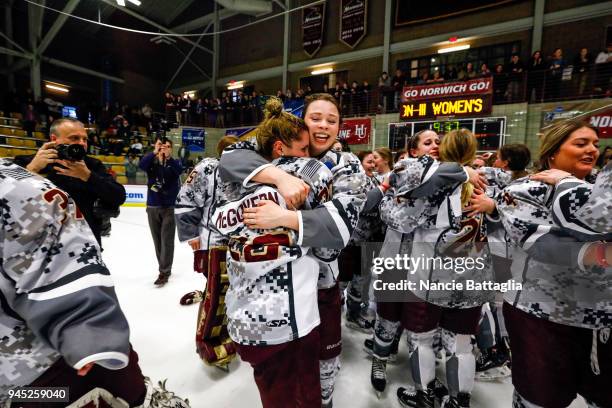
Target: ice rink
162,333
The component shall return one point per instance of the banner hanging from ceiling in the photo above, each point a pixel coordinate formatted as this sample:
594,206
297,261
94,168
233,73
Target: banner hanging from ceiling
353,21
313,20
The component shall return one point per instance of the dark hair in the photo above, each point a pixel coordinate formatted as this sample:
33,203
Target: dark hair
362,155
396,156
518,157
413,141
163,140
320,97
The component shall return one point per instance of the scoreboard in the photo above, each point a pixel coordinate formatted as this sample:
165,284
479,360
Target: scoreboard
488,131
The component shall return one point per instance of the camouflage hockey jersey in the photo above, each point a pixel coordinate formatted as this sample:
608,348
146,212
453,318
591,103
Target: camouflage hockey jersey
369,226
56,295
194,205
328,227
272,297
555,286
497,180
426,203
583,207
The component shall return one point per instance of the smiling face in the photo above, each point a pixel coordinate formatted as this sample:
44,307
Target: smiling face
382,166
578,154
369,165
323,121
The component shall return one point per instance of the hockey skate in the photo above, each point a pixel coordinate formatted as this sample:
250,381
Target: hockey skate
162,398
462,400
435,392
357,322
494,364
378,376
368,347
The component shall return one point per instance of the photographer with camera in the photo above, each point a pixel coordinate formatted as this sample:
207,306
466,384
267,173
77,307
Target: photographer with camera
163,186
64,162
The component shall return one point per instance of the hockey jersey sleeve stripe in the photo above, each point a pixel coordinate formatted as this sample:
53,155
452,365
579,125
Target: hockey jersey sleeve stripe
248,178
110,360
78,274
300,228
85,282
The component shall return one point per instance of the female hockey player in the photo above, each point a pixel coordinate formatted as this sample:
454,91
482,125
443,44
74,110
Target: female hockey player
327,226
559,323
443,233
272,299
192,212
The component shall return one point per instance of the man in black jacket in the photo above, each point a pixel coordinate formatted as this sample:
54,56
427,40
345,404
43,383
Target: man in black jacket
85,180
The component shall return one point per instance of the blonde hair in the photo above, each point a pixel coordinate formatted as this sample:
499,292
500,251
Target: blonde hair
386,154
555,136
277,125
460,146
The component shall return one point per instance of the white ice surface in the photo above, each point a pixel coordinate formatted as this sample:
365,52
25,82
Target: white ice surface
162,333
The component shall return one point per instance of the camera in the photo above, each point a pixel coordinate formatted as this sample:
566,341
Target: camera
72,152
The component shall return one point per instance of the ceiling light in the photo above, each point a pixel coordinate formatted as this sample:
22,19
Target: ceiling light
453,49
134,2
57,88
322,71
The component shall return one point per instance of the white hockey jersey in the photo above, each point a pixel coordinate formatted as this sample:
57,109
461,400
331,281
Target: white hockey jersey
427,203
272,297
327,226
56,295
194,205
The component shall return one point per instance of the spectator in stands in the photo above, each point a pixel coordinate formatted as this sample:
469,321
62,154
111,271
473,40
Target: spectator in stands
556,64
131,168
366,90
470,72
397,83
326,88
484,70
85,180
29,119
386,92
581,69
451,73
163,184
535,77
437,78
515,78
500,82
424,78
356,98
603,71
461,73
